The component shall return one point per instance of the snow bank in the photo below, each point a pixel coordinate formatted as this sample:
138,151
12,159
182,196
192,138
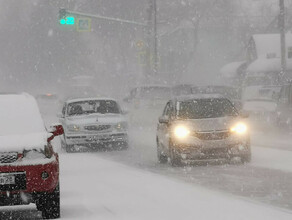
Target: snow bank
95,188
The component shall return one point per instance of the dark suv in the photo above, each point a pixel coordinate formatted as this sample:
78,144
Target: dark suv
201,128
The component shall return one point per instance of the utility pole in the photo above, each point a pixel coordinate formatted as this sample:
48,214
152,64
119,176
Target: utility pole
155,67
283,40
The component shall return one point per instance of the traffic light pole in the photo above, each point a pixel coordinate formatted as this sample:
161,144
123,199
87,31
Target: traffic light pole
105,18
283,40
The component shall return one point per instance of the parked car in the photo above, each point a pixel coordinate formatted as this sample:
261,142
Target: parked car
284,106
49,103
261,103
182,89
93,123
29,166
145,103
201,128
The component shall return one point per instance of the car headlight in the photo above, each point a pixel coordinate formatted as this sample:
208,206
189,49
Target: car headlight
122,126
239,128
73,128
181,131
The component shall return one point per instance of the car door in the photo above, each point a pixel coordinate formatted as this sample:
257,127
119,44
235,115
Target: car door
163,128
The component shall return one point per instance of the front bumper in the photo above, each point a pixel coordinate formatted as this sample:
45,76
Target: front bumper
100,139
28,182
213,149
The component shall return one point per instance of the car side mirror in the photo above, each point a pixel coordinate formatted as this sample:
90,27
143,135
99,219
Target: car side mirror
244,114
56,130
163,120
60,115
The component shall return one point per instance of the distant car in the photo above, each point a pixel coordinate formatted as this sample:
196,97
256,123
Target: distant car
232,93
201,128
182,89
261,103
29,166
49,103
145,103
93,123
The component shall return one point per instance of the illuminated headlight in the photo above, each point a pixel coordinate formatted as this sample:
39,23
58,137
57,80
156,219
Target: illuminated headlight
122,126
73,128
239,128
181,131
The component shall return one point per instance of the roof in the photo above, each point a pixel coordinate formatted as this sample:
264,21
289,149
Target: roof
230,70
268,65
268,44
89,99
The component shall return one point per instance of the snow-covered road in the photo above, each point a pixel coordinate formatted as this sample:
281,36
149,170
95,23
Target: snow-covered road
132,185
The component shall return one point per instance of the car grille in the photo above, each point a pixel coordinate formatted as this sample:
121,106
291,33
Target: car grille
97,127
216,135
8,157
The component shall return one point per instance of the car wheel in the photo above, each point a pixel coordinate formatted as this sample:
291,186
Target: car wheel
161,158
121,145
175,159
50,205
247,157
69,148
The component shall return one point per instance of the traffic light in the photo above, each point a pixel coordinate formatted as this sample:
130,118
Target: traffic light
65,18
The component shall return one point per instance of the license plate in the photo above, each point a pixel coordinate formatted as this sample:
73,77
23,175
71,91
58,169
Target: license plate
5,180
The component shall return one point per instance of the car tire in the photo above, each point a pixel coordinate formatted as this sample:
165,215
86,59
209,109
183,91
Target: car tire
121,145
175,159
50,205
161,158
247,157
69,148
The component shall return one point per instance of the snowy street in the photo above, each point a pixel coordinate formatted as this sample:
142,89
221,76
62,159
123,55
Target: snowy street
131,184
146,110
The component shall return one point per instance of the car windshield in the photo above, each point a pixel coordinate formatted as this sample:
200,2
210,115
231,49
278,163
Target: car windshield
205,108
93,106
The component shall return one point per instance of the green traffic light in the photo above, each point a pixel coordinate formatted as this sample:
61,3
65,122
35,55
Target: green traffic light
67,21
70,20
62,21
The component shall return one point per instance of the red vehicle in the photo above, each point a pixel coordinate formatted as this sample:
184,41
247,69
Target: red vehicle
29,166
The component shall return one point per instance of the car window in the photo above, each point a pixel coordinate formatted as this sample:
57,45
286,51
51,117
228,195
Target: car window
167,109
93,106
206,108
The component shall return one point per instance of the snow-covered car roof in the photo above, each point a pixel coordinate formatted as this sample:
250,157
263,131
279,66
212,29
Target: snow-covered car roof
21,122
198,96
89,99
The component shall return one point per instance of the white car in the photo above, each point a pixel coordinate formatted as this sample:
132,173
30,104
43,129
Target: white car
93,123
